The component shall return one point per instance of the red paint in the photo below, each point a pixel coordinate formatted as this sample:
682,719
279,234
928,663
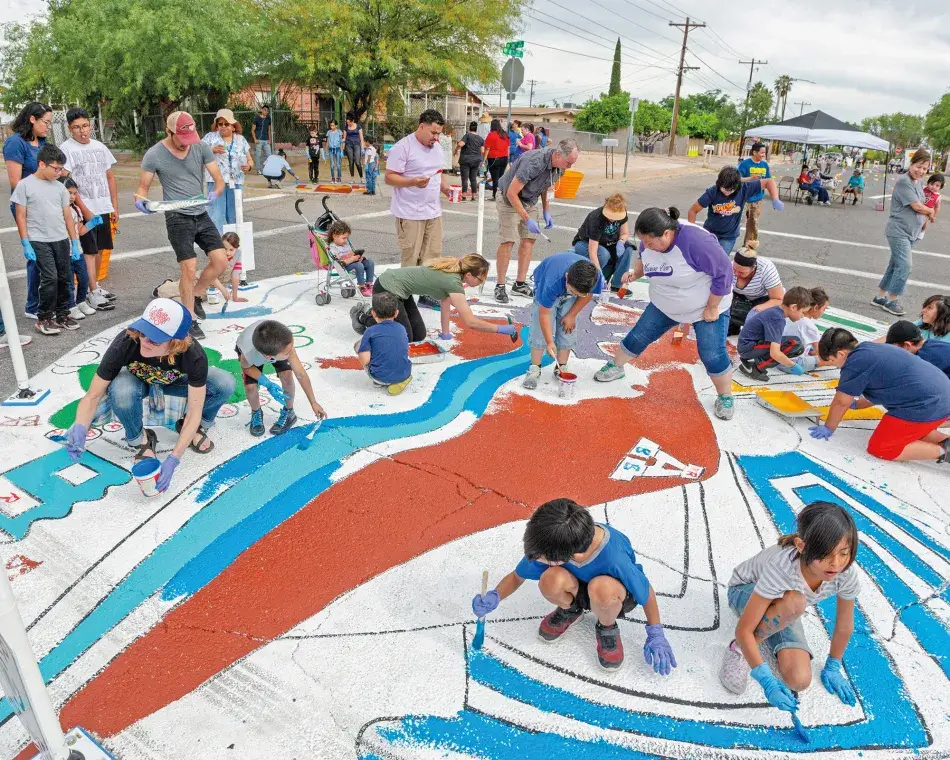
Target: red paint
11,498
21,564
663,352
611,314
423,348
421,500
472,344
340,362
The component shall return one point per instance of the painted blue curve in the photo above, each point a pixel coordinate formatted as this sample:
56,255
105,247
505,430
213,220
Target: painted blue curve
259,310
284,481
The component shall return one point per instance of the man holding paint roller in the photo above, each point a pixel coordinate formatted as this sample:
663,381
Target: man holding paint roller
521,187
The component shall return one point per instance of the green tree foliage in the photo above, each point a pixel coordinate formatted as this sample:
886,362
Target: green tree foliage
604,115
782,88
411,42
615,72
759,105
900,129
937,124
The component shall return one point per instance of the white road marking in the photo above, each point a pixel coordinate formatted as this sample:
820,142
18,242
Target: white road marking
864,275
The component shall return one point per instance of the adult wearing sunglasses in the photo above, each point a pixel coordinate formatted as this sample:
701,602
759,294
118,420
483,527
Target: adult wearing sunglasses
233,154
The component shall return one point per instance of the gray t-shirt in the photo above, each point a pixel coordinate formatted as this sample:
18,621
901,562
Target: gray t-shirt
44,201
534,169
904,222
777,569
181,178
245,344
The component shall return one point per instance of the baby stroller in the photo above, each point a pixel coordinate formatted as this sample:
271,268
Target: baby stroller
334,274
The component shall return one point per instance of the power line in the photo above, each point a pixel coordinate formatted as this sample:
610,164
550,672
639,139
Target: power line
646,10
606,28
713,35
725,79
560,96
587,35
569,52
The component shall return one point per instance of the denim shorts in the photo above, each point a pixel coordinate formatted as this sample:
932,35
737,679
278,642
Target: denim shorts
563,340
790,637
185,231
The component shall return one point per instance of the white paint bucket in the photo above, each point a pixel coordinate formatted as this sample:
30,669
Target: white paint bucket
567,381
145,473
604,298
455,194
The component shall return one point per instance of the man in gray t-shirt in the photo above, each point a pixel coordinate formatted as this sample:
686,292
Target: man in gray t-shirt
527,180
179,161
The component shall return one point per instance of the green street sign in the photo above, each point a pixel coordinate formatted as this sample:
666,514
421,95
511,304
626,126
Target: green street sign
515,49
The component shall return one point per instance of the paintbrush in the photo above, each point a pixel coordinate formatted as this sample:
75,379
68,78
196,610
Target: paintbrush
224,306
480,625
800,729
514,338
308,438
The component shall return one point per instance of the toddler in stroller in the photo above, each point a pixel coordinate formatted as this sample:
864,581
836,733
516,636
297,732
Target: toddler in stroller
354,261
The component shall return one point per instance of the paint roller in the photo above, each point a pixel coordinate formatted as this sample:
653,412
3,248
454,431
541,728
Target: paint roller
480,624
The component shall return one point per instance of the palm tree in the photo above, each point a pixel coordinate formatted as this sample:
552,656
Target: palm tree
783,85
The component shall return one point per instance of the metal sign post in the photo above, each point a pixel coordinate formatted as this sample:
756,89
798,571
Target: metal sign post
609,143
25,396
512,77
634,105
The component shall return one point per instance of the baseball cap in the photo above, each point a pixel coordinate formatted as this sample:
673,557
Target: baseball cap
180,124
903,331
227,114
163,320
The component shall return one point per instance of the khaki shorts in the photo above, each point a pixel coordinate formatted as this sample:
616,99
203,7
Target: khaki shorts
511,227
419,240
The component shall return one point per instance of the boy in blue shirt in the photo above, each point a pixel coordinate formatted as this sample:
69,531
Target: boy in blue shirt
854,188
761,341
384,347
563,286
725,201
755,167
908,336
582,565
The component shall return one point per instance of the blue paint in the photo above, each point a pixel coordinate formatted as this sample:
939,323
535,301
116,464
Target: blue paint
800,729
57,496
243,509
479,637
145,467
259,310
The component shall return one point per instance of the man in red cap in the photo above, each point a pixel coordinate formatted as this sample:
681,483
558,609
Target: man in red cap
179,161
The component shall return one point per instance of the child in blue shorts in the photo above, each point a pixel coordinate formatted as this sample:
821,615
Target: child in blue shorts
582,565
563,286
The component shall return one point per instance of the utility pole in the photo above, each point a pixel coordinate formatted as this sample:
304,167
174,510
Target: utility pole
801,103
748,90
532,82
679,79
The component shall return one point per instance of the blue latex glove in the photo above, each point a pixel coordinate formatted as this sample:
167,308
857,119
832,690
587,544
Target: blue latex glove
276,392
445,336
76,441
548,220
657,650
140,205
212,196
93,223
797,369
166,471
821,432
776,692
854,404
778,205
837,682
75,252
621,248
482,605
28,252
509,330
532,226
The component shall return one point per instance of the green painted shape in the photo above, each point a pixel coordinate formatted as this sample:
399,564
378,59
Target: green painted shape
862,326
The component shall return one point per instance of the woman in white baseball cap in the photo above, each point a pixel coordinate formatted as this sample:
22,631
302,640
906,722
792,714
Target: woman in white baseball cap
155,349
233,154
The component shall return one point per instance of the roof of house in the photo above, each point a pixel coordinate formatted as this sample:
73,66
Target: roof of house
526,111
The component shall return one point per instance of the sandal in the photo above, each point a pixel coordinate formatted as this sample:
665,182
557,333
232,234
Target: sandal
196,447
150,444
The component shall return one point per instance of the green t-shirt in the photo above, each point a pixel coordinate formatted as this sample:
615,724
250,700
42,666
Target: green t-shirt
421,281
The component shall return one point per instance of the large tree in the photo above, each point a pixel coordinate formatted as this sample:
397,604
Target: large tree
901,129
354,47
759,105
782,87
608,113
937,124
615,72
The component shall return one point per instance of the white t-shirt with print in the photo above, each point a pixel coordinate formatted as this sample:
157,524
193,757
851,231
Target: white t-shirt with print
777,569
805,329
88,164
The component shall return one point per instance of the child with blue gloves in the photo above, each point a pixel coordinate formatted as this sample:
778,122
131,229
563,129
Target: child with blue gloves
761,341
771,591
267,341
563,285
581,565
49,238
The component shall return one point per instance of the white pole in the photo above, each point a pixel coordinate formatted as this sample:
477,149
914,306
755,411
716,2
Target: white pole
13,335
238,204
480,227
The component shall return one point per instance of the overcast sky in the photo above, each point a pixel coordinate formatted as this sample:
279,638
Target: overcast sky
866,56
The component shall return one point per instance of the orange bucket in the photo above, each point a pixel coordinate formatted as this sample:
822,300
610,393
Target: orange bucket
568,185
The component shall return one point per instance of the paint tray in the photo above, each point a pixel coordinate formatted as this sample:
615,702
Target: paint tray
426,352
786,404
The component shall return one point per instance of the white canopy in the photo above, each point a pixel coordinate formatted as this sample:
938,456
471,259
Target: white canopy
818,128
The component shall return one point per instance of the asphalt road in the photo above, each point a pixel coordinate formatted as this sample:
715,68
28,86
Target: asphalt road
841,248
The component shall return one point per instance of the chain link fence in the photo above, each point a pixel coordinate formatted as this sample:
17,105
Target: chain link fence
288,129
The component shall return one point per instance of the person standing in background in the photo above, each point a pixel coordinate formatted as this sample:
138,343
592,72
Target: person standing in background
355,144
752,168
514,135
469,151
527,141
484,125
261,136
335,149
496,150
233,154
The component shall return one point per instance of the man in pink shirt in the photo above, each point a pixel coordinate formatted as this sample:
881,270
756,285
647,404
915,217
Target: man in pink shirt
414,171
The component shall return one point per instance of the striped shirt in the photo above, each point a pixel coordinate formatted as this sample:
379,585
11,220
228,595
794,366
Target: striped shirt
764,277
777,569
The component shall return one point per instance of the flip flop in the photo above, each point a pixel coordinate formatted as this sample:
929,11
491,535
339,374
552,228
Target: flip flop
151,444
196,447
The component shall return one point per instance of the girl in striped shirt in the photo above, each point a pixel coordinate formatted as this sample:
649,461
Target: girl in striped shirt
771,591
757,285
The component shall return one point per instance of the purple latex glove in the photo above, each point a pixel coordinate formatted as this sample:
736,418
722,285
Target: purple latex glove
76,441
509,330
532,226
482,605
821,432
657,650
212,196
548,220
166,471
778,205
621,248
141,206
445,336
854,404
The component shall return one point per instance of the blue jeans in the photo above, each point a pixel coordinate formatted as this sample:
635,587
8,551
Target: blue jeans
336,162
371,172
898,268
815,187
261,145
222,211
364,270
32,287
790,637
127,392
78,294
728,242
603,256
563,340
710,338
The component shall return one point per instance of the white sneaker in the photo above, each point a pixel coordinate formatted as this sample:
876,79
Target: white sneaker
100,291
28,315
99,303
734,672
86,309
76,313
25,340
531,377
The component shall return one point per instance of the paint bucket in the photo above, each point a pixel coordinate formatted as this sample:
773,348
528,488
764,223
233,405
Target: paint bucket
455,194
145,473
213,296
879,206
567,380
604,298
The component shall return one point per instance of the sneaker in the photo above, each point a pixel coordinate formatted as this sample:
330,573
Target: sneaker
809,200
100,291
724,408
285,422
734,671
501,295
748,368
944,458
30,315
86,309
77,313
523,289
67,323
47,327
357,311
893,307
199,308
100,303
25,340
556,623
608,372
396,388
879,300
257,423
196,332
531,377
429,303
366,290
609,646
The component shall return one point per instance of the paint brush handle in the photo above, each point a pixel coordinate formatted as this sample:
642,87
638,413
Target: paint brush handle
484,586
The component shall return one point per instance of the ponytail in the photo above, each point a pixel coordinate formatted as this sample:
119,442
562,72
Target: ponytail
653,222
834,340
470,263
